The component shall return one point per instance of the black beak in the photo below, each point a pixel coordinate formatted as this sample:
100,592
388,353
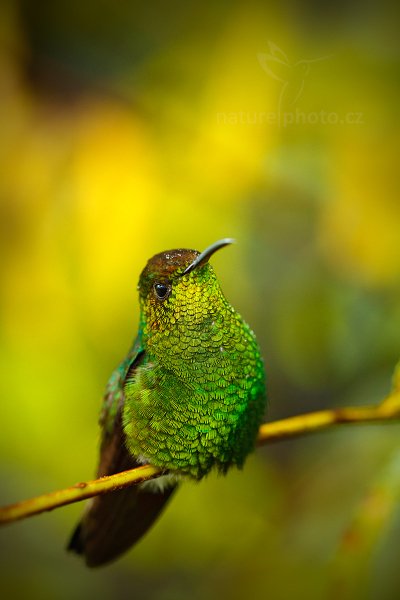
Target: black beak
205,256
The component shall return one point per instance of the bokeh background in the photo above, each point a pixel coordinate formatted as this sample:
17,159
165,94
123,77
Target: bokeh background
130,128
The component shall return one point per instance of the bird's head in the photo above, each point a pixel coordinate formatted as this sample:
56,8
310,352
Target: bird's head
179,287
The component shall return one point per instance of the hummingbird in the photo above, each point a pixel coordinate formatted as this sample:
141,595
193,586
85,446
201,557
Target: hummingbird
291,74
189,398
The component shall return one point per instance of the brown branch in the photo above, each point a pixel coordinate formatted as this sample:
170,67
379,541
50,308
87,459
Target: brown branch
386,412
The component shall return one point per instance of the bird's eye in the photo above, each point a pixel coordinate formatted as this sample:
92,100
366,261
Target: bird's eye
161,290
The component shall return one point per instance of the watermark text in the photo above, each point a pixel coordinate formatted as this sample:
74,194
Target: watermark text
289,118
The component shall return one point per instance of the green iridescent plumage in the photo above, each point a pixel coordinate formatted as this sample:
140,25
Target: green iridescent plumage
189,397
197,399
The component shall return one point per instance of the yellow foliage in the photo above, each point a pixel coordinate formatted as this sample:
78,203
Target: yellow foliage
360,221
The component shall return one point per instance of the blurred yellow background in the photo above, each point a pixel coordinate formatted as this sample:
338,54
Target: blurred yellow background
127,129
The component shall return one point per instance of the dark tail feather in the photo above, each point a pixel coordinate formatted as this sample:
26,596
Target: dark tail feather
75,544
113,522
116,521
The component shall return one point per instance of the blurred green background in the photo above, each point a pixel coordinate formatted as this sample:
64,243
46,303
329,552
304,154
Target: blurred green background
130,128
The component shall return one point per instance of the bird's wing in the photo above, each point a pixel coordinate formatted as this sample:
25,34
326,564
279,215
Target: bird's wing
115,521
277,52
275,67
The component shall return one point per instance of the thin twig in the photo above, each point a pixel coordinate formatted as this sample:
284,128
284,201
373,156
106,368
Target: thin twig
386,412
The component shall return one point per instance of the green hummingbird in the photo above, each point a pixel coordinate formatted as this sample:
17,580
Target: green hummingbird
189,397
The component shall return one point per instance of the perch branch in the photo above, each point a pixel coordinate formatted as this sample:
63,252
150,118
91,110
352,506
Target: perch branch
388,411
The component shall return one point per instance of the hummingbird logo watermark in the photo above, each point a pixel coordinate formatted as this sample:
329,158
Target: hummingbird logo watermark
292,75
